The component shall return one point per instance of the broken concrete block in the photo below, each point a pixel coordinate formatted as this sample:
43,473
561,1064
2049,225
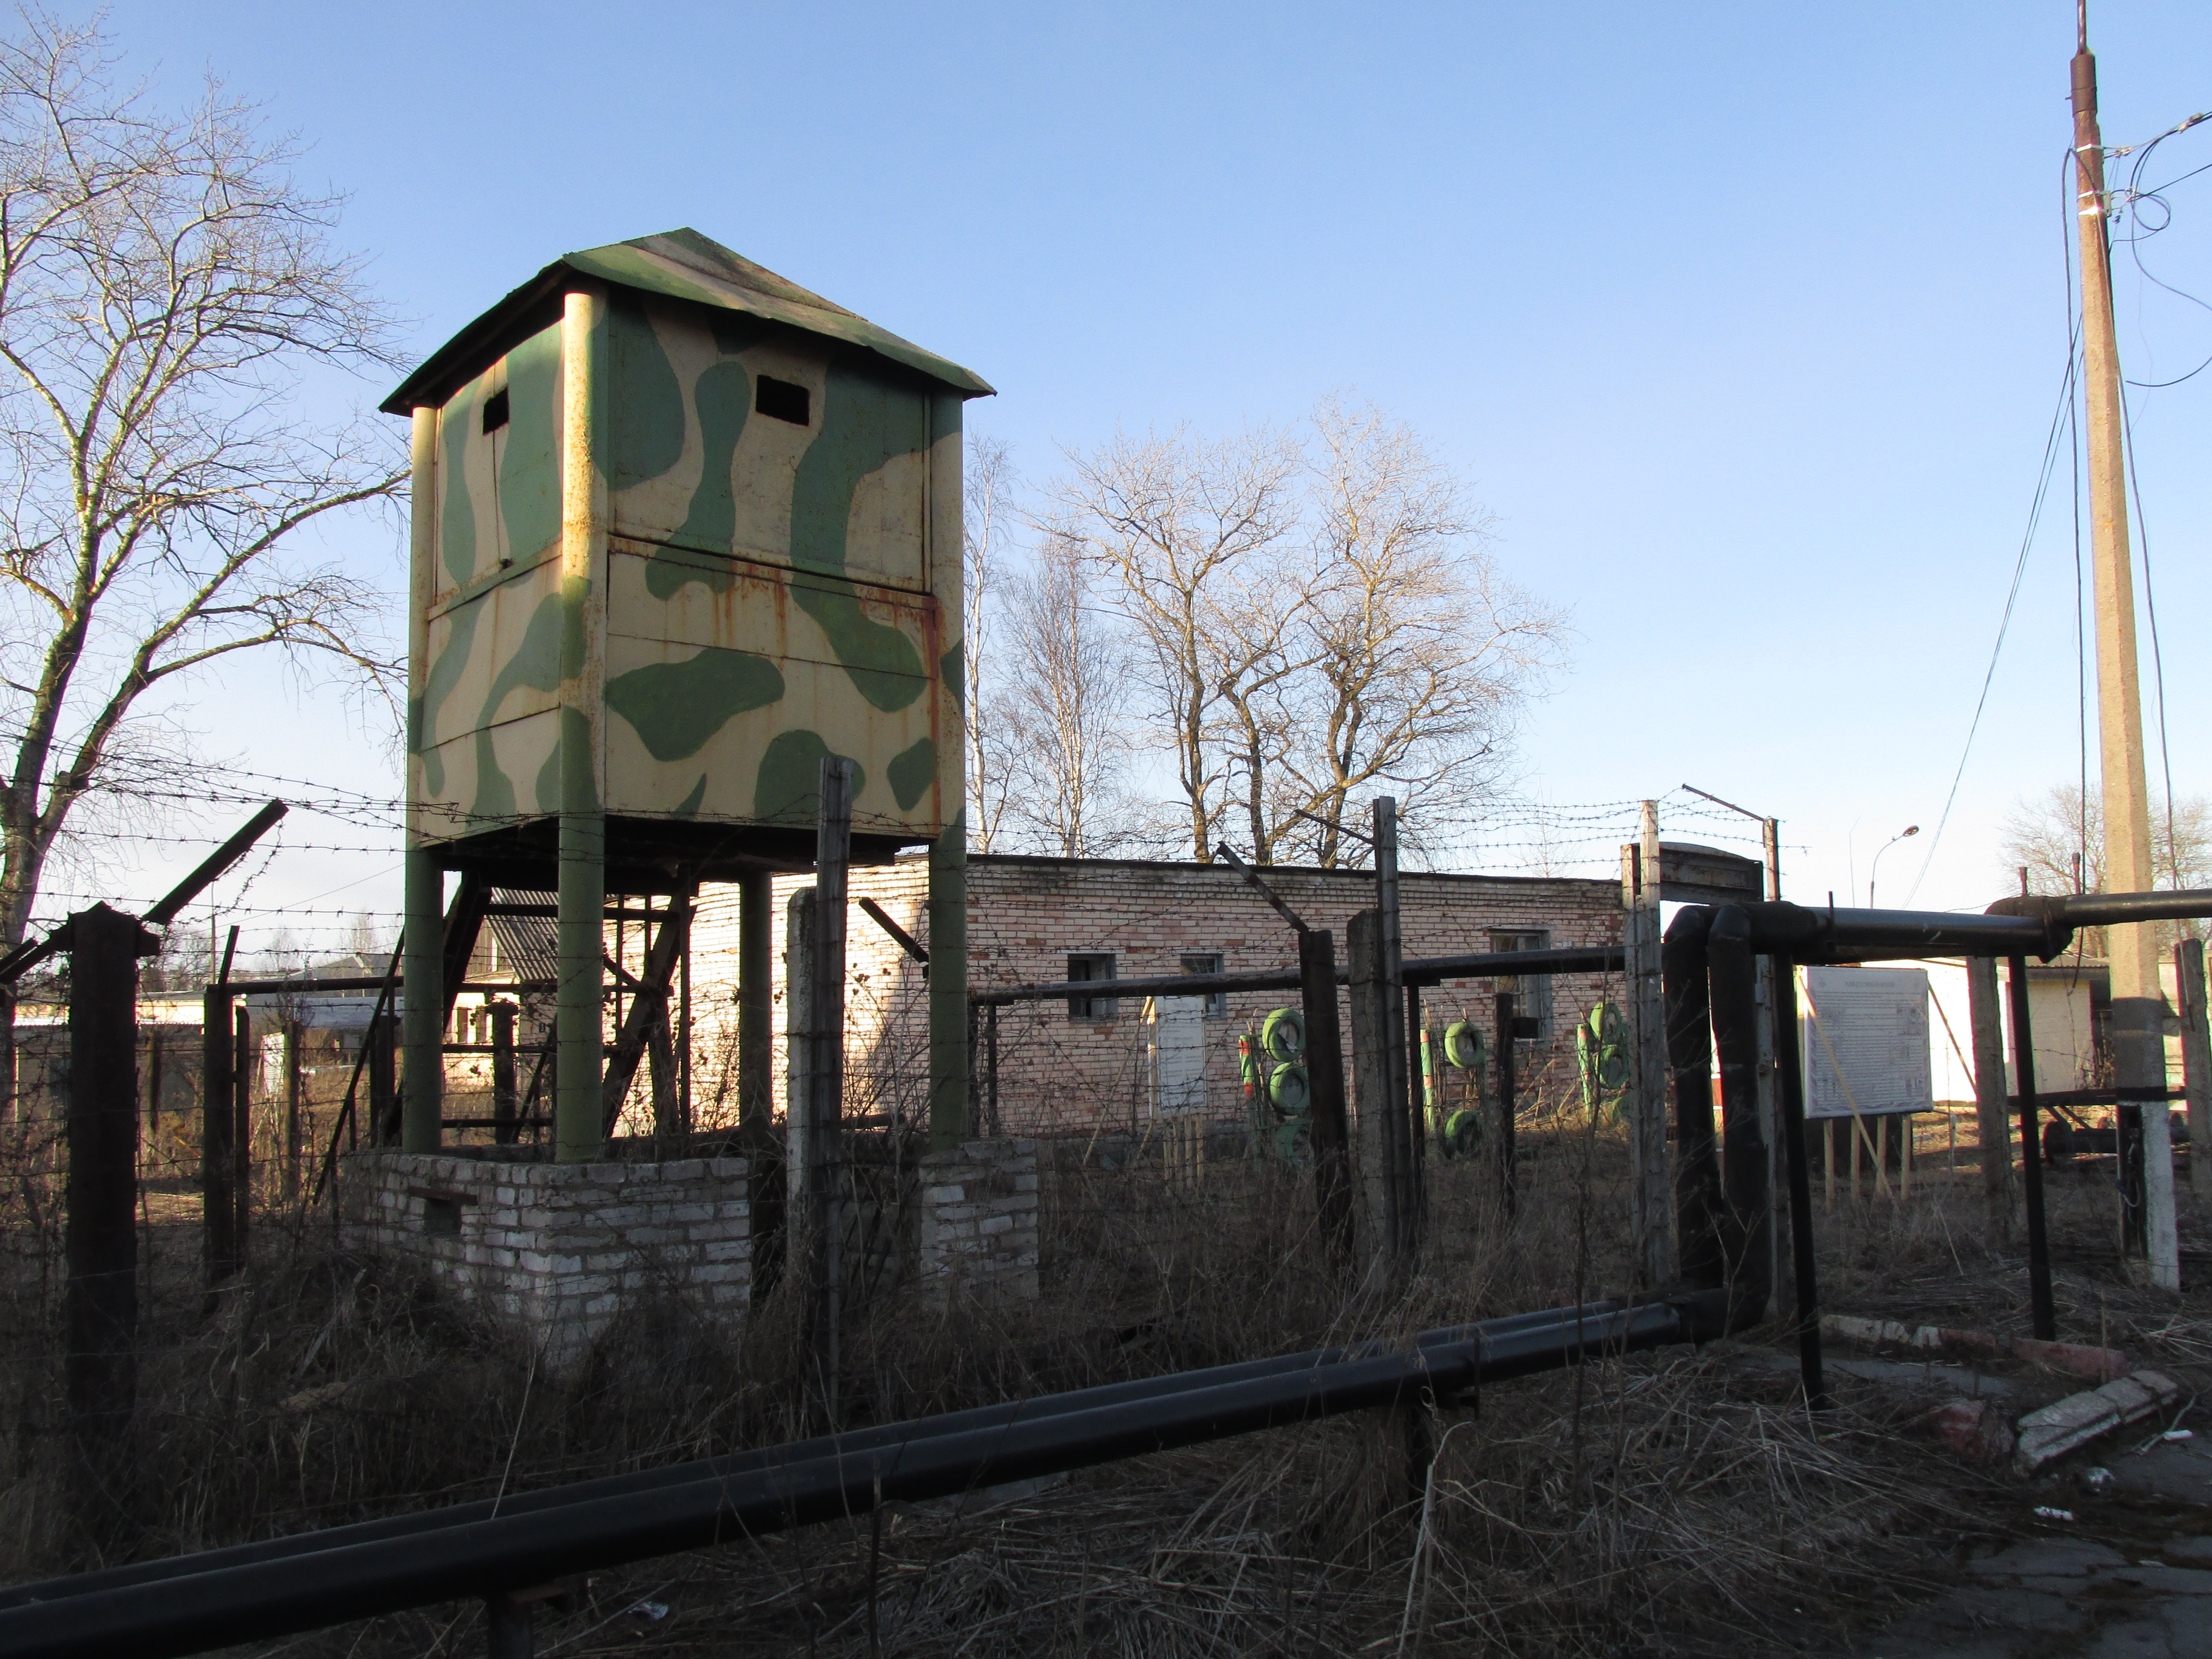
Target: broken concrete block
2061,1426
1974,1429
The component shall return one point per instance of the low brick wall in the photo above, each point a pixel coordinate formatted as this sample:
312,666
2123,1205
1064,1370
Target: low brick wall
557,1249
979,1218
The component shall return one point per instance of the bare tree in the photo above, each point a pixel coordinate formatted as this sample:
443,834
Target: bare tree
2048,832
2045,832
989,486
1063,704
165,286
1170,523
1412,653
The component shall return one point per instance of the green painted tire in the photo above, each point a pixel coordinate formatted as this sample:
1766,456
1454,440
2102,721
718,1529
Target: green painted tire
1293,1144
1283,1034
1290,1090
1465,1046
1601,1049
1463,1132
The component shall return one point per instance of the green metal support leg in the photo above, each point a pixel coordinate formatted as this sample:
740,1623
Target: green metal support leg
948,1123
579,1131
423,1098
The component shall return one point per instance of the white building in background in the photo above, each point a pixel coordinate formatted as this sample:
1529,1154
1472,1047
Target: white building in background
2066,1004
1889,1036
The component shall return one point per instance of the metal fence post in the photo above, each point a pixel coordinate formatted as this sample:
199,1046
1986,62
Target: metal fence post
2043,1314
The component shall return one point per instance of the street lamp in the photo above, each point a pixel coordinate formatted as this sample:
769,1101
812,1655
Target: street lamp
1909,829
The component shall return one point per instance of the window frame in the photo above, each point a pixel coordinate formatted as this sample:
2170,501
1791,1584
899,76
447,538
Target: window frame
1093,1008
1532,992
1216,1002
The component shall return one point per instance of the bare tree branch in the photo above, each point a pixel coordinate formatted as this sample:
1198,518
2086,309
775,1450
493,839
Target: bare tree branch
165,289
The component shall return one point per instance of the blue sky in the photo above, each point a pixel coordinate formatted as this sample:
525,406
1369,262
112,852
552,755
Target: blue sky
1746,321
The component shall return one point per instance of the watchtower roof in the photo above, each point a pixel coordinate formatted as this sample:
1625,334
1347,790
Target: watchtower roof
684,265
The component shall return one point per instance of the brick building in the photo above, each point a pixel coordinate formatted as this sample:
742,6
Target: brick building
1066,1068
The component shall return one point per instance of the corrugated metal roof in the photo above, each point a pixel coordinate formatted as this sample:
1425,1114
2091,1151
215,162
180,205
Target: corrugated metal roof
527,944
684,265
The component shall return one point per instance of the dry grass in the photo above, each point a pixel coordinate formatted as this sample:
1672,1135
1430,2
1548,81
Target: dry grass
1672,1502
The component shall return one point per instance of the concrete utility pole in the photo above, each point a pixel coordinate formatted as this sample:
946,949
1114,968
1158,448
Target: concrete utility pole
2138,1008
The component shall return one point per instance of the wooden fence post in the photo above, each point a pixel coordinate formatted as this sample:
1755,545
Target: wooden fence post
1379,1162
1992,1110
797,1252
100,1232
295,1033
1509,1088
1652,1193
1398,1098
2195,1062
241,1135
218,1126
1332,1140
504,1104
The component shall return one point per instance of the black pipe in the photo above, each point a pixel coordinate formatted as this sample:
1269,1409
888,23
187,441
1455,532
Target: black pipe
1805,931
1804,1264
2074,910
1488,964
1698,1204
2043,1315
738,1463
223,1606
1747,1241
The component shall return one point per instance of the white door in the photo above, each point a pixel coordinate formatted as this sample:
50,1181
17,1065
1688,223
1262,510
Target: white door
1178,1058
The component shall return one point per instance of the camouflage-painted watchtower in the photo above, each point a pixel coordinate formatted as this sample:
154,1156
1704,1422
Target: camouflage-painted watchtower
680,529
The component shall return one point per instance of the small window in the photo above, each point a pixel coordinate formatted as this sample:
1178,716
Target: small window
781,400
1092,965
495,415
1207,962
441,1217
1533,990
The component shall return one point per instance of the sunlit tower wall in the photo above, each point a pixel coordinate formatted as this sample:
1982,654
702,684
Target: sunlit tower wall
681,529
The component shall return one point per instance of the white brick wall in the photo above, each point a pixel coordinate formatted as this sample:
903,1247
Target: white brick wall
553,1246
979,1218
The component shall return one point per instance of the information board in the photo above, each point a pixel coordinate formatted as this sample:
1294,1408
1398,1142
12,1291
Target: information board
1864,1036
